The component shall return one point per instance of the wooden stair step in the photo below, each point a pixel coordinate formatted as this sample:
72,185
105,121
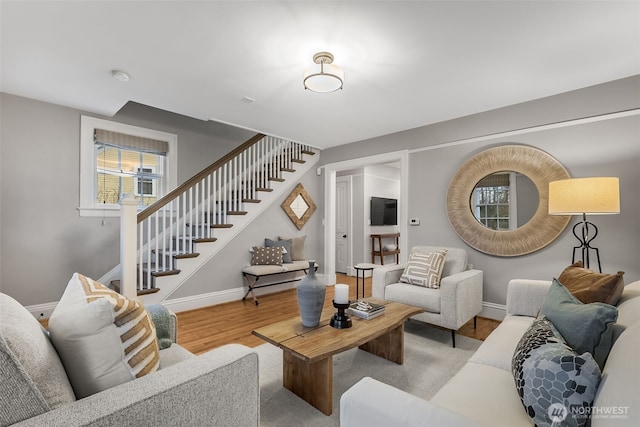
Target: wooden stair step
163,273
287,170
273,178
298,161
268,190
221,225
115,284
204,239
311,153
178,255
236,212
251,200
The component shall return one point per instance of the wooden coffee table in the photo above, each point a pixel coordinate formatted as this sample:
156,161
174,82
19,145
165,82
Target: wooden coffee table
307,353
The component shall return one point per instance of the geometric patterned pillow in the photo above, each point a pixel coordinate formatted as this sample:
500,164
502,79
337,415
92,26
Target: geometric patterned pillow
266,256
425,269
103,338
556,385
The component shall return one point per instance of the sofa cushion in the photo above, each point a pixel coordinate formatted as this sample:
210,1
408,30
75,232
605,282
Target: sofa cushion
484,394
297,247
266,256
424,269
619,386
286,244
33,378
425,298
589,286
498,348
585,327
629,305
553,380
103,338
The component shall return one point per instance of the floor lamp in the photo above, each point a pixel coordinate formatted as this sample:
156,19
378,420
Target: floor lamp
582,196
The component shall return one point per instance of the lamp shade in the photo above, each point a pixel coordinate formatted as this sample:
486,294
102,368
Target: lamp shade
597,195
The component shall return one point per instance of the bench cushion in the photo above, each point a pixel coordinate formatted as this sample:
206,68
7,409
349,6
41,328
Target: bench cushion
265,270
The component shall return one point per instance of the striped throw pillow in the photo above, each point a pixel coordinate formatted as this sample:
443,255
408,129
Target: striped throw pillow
103,338
425,269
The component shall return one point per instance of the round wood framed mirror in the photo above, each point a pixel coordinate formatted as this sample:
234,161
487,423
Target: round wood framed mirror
536,233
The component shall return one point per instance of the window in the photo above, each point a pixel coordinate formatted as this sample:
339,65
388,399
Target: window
492,202
118,159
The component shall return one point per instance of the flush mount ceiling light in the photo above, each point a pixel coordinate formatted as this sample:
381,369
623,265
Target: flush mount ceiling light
323,77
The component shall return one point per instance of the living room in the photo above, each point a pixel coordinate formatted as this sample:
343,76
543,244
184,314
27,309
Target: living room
591,128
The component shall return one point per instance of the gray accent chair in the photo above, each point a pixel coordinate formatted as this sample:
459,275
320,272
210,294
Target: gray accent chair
458,300
219,387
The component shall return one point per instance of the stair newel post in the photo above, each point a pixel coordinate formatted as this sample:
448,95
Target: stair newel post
128,244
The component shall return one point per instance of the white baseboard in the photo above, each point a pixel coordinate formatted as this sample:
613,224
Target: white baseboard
493,311
489,310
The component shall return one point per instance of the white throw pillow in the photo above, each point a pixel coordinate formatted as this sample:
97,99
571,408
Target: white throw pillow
425,269
103,338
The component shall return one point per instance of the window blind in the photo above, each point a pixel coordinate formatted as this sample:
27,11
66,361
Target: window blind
131,142
494,180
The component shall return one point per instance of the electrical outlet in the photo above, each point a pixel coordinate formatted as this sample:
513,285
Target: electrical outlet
414,221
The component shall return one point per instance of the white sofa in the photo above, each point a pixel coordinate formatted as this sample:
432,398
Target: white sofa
483,392
458,299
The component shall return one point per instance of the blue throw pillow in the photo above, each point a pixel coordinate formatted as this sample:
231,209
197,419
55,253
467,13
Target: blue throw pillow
286,244
585,327
556,385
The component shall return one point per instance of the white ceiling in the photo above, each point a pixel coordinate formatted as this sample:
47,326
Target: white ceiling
406,64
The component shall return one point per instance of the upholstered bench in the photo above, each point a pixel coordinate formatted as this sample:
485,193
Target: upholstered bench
253,273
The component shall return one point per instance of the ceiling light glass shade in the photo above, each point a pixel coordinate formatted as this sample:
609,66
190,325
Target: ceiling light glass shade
323,77
599,195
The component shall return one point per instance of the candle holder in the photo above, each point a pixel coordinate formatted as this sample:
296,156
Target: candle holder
341,320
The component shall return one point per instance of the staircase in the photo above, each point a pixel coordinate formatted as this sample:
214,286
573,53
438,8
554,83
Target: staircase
183,230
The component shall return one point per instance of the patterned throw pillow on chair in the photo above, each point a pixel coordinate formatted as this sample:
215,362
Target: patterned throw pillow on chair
424,269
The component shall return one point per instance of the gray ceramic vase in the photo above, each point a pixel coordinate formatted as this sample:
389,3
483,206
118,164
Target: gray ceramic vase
311,292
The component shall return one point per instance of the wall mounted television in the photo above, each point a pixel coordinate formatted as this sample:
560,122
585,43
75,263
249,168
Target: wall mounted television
384,211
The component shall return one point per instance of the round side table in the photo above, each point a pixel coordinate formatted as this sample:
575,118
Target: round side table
362,267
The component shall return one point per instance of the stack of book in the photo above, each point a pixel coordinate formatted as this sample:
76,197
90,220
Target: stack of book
365,310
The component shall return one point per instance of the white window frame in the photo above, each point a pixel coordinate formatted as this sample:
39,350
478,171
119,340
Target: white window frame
89,206
136,182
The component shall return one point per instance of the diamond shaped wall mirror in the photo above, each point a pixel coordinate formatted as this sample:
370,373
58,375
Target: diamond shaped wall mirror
299,206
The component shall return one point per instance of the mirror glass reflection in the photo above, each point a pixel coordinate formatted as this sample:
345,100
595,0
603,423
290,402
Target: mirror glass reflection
504,200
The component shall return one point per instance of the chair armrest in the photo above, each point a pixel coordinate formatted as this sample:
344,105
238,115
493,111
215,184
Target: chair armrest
372,403
219,387
460,297
525,297
383,276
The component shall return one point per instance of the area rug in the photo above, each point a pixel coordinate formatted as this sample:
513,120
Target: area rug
429,362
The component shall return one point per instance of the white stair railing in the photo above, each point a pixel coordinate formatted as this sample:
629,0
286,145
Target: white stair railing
168,229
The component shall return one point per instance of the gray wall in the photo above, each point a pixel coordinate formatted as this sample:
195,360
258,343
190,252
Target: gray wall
44,241
604,148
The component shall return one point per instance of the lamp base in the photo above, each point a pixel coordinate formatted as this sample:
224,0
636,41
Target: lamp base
585,241
341,320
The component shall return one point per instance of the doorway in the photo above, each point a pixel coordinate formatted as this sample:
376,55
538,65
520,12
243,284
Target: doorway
331,195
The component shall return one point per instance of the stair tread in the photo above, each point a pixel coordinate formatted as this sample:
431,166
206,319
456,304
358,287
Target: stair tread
237,212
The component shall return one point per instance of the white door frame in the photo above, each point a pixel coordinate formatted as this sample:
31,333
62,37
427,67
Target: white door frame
330,170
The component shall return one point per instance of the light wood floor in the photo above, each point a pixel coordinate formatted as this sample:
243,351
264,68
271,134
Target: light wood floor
205,328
